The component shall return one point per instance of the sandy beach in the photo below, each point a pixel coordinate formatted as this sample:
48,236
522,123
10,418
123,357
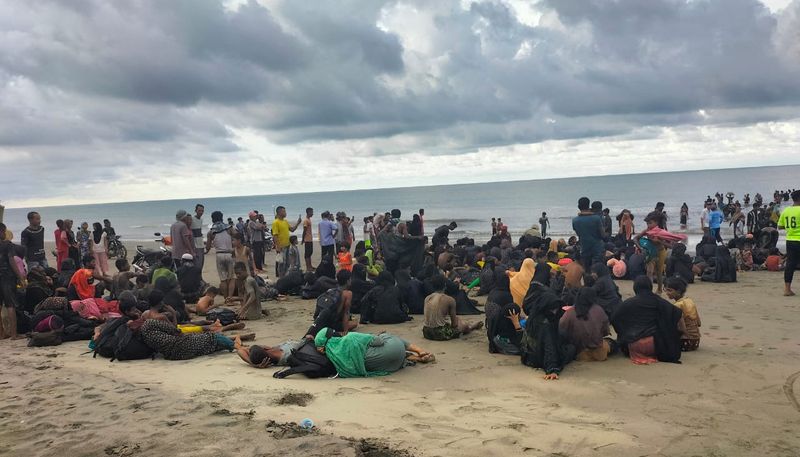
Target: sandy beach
734,397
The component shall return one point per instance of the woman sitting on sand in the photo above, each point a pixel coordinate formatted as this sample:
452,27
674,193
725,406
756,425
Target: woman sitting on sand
521,280
585,326
648,327
542,346
357,355
382,304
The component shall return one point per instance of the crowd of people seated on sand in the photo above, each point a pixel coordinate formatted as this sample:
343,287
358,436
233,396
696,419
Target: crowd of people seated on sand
547,301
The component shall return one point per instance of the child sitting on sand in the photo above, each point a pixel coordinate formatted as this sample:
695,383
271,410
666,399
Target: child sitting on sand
206,302
676,290
775,261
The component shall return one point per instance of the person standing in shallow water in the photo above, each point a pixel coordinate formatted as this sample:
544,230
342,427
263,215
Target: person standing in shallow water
544,223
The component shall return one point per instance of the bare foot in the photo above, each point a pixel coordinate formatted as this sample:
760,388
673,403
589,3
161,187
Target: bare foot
237,342
477,326
246,336
216,327
788,293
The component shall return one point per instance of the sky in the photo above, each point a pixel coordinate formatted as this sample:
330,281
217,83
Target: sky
138,100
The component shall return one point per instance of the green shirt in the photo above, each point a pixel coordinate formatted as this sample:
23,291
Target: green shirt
790,220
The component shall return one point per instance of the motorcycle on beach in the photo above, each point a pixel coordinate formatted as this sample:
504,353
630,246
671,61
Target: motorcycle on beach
145,258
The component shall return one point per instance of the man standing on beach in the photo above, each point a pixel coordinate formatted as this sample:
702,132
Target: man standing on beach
197,233
308,238
182,239
715,218
280,234
255,234
589,228
790,221
494,226
32,239
422,221
659,215
327,233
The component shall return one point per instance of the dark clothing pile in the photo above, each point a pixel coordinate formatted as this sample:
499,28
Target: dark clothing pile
722,268
412,292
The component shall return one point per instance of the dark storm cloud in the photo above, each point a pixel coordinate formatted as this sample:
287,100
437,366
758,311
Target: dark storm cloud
171,80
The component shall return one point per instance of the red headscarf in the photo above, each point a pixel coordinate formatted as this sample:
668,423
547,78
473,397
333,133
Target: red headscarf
81,282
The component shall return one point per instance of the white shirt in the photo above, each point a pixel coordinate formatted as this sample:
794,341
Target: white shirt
704,218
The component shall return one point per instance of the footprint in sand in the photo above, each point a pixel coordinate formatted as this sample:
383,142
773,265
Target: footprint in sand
738,327
714,327
424,406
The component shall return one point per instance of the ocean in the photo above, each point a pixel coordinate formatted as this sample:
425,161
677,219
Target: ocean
518,203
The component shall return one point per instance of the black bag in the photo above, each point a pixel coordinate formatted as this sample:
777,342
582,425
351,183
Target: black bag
306,360
41,339
224,315
118,342
328,301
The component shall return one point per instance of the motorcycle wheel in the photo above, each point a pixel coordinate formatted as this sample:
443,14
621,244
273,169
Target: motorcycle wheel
122,252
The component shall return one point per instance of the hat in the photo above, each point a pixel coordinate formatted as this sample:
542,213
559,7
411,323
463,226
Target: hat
252,214
187,257
180,214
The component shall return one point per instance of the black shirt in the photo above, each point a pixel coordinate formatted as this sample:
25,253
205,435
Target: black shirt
33,241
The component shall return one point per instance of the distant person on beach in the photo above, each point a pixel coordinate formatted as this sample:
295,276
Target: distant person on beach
626,228
99,246
659,215
442,234
704,216
308,238
220,237
715,219
684,215
607,223
62,246
197,232
589,228
544,224
421,221
327,234
494,226
32,239
109,229
182,239
790,221
738,221
83,237
281,231
254,231
10,276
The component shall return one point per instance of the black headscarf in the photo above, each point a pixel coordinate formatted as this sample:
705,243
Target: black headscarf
583,302
97,233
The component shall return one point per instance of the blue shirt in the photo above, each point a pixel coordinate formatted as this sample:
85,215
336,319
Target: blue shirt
326,231
589,229
715,219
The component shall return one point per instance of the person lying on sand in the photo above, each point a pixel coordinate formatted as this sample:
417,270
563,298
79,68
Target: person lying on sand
266,356
364,355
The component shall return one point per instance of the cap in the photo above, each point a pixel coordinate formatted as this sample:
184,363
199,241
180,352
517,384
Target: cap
180,214
187,257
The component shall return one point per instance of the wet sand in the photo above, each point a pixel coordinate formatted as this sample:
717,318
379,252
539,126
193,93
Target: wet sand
734,397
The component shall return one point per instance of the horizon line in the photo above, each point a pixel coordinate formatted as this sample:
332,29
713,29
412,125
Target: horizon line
408,187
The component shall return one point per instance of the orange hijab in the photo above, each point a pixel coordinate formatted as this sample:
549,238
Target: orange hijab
81,282
521,280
